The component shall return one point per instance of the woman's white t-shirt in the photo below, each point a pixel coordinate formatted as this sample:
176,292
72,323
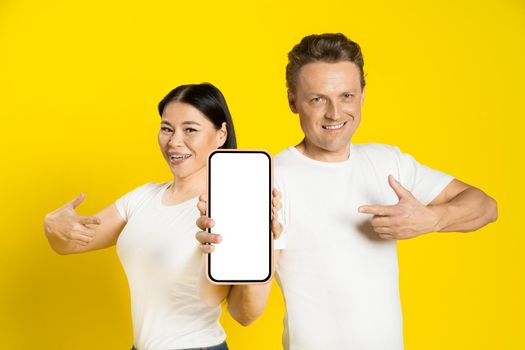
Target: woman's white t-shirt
162,262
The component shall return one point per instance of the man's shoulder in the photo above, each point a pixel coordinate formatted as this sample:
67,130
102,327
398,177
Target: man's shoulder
287,165
373,150
286,158
376,151
374,147
283,155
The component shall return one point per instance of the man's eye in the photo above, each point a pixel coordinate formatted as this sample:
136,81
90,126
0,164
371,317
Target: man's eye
348,95
316,99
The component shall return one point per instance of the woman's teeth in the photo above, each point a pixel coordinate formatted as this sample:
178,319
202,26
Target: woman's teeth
333,127
179,156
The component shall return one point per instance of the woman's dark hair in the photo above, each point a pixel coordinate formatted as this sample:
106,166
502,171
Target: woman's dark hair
209,101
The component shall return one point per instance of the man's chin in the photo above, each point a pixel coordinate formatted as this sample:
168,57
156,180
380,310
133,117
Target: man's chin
336,147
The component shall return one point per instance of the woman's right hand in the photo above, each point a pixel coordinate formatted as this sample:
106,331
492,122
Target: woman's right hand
207,240
68,226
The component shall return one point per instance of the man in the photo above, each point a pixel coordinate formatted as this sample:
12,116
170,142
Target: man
344,207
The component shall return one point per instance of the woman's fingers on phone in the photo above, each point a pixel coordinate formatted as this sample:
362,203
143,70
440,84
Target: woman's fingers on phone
206,238
205,222
276,200
203,204
277,228
202,207
207,248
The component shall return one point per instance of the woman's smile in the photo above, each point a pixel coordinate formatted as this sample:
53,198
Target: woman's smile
177,158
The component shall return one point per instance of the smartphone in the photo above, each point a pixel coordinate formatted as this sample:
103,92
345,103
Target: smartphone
239,202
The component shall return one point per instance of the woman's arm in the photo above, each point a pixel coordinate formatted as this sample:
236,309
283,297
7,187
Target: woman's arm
245,302
69,233
211,294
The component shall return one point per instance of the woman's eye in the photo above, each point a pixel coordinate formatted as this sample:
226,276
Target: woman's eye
165,129
189,130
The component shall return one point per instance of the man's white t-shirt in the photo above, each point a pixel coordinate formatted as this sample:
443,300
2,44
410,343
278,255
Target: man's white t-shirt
339,280
162,261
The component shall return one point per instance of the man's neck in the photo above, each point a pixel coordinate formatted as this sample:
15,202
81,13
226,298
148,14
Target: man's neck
322,155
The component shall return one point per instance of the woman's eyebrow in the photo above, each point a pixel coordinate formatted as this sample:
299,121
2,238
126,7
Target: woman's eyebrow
165,122
190,122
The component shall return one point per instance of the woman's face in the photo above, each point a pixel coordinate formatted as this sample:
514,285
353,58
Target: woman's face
187,137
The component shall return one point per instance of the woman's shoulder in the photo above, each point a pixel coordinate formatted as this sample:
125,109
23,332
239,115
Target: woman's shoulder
150,188
147,190
138,198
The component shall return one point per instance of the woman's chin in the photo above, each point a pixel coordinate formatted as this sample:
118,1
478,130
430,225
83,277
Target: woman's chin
183,172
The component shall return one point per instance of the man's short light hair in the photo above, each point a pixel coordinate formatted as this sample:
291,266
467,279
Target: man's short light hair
329,48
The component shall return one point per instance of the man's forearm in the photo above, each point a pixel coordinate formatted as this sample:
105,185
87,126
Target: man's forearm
468,211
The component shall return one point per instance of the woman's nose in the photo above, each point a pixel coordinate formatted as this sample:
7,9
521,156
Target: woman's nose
175,139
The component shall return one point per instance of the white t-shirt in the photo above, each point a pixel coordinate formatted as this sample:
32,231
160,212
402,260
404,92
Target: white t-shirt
162,261
340,281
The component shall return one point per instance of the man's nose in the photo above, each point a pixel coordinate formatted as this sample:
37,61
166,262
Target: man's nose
333,111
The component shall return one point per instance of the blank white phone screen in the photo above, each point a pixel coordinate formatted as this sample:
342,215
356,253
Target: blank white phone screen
239,187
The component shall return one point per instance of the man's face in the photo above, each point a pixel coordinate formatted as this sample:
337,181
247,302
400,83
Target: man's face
328,99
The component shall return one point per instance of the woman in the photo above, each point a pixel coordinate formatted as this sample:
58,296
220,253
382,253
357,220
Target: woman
154,227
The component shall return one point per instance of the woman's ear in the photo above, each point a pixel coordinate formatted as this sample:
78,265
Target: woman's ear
222,134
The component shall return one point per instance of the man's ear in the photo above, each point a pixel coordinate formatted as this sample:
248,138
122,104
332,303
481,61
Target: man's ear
222,134
363,96
291,101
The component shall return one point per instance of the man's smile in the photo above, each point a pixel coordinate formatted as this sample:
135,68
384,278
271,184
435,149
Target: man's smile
333,126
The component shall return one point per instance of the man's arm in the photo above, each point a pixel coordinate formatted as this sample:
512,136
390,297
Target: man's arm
459,207
463,208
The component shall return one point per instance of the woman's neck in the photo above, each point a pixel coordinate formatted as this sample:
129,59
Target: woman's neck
182,189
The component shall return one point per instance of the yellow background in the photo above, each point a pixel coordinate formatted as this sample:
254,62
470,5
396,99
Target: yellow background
79,85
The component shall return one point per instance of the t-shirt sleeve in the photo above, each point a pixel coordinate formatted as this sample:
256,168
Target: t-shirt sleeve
127,204
280,243
424,182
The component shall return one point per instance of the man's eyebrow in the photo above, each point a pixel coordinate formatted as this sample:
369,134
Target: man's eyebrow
353,91
349,91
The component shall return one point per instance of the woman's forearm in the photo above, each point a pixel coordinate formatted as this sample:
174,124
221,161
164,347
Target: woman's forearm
247,302
211,294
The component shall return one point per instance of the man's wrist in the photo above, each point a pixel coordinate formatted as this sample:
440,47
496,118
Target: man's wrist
439,212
